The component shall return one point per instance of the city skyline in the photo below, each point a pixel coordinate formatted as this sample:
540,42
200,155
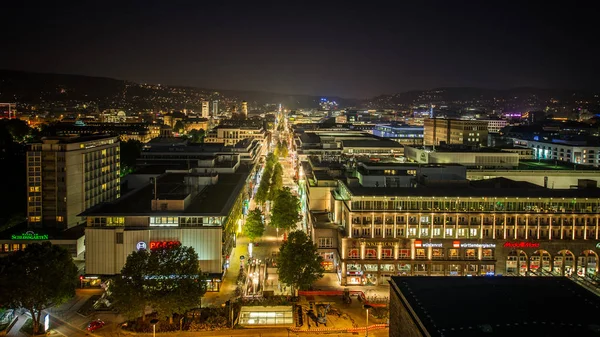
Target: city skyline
324,50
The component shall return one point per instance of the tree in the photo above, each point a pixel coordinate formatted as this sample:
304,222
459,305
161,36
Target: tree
299,262
262,192
284,152
197,136
255,225
129,289
130,151
166,278
179,284
178,127
276,182
285,211
39,277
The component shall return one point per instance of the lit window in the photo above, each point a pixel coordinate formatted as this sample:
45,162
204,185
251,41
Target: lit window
60,218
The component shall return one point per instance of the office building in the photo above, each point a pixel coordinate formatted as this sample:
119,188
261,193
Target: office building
570,151
67,175
447,226
200,208
205,109
142,132
491,306
495,125
245,109
471,157
403,134
231,134
455,131
215,108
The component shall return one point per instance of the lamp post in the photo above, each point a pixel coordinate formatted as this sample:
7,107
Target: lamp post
367,307
153,322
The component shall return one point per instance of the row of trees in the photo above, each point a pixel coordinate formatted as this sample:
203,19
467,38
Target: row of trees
282,150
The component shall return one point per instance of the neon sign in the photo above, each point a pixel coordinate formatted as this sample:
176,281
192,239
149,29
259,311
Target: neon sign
29,236
164,244
420,244
141,245
477,245
521,244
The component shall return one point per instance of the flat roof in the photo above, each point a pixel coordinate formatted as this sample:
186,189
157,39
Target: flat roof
213,200
500,306
374,143
496,187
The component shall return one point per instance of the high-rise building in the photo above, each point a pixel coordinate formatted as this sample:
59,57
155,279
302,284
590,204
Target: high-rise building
245,108
215,108
455,131
67,175
205,109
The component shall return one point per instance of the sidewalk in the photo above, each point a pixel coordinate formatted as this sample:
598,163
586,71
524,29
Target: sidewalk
15,330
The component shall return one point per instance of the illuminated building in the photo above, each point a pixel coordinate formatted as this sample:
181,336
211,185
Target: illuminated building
142,132
471,157
578,152
200,208
67,175
245,109
232,134
403,134
215,108
435,224
205,109
455,131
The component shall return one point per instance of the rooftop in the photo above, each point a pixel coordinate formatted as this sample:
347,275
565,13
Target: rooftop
501,306
373,143
497,187
212,200
75,139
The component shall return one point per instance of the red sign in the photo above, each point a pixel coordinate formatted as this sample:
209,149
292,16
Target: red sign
521,244
418,243
456,244
164,244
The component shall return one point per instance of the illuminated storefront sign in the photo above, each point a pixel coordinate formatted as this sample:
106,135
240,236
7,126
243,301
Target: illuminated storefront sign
29,236
141,245
521,244
421,244
477,245
164,244
598,245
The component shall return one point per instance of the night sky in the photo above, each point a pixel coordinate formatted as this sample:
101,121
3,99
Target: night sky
310,48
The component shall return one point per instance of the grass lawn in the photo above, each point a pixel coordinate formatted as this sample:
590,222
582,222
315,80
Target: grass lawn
27,327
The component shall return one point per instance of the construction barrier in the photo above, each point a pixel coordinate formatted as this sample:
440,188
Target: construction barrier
340,293
359,329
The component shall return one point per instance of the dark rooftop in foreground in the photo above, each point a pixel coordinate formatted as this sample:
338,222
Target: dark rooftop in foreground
498,306
496,187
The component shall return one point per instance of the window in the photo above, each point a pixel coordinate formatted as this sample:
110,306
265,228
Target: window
404,254
325,242
420,253
163,221
488,254
473,231
119,238
453,253
470,254
437,231
437,253
35,218
387,253
353,253
412,231
461,232
448,231
60,219
34,189
424,231
371,253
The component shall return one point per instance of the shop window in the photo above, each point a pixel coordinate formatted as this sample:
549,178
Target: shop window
488,254
420,253
453,253
387,253
371,253
370,267
437,268
404,254
420,267
437,253
470,254
353,253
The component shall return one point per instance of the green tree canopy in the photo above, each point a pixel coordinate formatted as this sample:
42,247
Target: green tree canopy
299,263
255,226
276,182
130,151
262,193
39,277
168,279
285,211
197,136
178,127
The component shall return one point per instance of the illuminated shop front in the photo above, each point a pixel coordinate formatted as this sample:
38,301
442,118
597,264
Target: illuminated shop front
253,316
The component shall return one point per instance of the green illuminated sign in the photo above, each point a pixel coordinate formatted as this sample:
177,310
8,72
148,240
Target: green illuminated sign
29,236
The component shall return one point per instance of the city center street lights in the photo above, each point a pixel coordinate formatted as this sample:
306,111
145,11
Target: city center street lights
367,307
153,322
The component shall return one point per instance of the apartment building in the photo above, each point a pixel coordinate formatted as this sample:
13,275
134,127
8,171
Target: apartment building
67,175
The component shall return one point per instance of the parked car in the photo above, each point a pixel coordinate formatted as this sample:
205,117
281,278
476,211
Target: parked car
95,325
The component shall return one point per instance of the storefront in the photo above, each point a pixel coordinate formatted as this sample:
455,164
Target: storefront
266,316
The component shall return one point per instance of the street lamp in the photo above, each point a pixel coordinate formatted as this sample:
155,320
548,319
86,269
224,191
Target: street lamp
153,322
367,307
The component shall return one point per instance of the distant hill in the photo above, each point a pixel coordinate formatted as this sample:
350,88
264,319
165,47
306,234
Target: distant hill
67,92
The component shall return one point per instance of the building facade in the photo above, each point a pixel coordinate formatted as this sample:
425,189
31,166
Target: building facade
231,135
568,151
455,131
67,175
462,228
